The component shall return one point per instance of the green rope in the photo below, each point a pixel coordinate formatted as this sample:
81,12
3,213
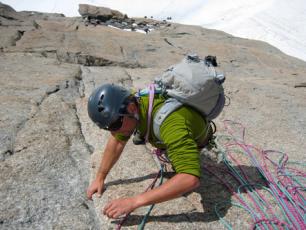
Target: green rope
144,220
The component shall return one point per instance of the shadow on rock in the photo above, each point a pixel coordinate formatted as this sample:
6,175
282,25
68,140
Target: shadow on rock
212,192
137,179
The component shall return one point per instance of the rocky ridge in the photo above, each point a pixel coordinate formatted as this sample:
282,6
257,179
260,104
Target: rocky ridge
93,15
50,150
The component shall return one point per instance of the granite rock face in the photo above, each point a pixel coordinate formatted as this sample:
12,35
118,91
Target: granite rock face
50,150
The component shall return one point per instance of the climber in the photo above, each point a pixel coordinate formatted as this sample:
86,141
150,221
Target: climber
117,110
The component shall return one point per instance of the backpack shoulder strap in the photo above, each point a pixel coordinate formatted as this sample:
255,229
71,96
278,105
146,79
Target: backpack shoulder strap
170,105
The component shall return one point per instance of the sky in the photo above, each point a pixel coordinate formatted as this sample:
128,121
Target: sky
282,23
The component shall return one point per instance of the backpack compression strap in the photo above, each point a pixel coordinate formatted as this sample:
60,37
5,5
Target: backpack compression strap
170,105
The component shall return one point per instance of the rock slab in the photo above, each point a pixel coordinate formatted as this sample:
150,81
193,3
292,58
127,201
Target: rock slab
50,150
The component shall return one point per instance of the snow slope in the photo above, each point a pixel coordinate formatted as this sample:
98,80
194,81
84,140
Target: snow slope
281,23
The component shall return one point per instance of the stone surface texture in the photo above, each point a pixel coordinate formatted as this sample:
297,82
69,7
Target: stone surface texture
86,10
50,150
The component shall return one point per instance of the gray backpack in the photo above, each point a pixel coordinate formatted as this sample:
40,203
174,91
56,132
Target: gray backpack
193,82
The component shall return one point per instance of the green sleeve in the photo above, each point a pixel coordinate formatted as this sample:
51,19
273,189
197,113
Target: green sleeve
121,137
182,150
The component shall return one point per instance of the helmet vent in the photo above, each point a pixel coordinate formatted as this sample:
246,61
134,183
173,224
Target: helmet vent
100,108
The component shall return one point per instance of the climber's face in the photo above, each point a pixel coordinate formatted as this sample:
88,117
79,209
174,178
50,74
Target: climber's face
127,124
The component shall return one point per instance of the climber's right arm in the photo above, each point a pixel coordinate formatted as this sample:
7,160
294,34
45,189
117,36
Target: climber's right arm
112,152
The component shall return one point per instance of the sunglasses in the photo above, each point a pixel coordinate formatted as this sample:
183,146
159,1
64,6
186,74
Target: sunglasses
116,125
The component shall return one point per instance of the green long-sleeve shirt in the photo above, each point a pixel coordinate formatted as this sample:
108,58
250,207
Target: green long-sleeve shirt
180,133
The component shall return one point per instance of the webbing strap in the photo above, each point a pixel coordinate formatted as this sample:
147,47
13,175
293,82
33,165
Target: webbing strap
151,99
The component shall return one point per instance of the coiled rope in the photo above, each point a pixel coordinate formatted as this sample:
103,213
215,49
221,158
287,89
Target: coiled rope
284,206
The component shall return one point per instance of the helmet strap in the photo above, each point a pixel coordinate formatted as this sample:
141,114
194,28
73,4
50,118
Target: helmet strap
136,116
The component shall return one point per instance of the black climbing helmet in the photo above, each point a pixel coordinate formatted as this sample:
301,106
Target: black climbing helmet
107,106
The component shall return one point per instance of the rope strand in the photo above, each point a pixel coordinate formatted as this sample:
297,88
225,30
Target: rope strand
284,184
